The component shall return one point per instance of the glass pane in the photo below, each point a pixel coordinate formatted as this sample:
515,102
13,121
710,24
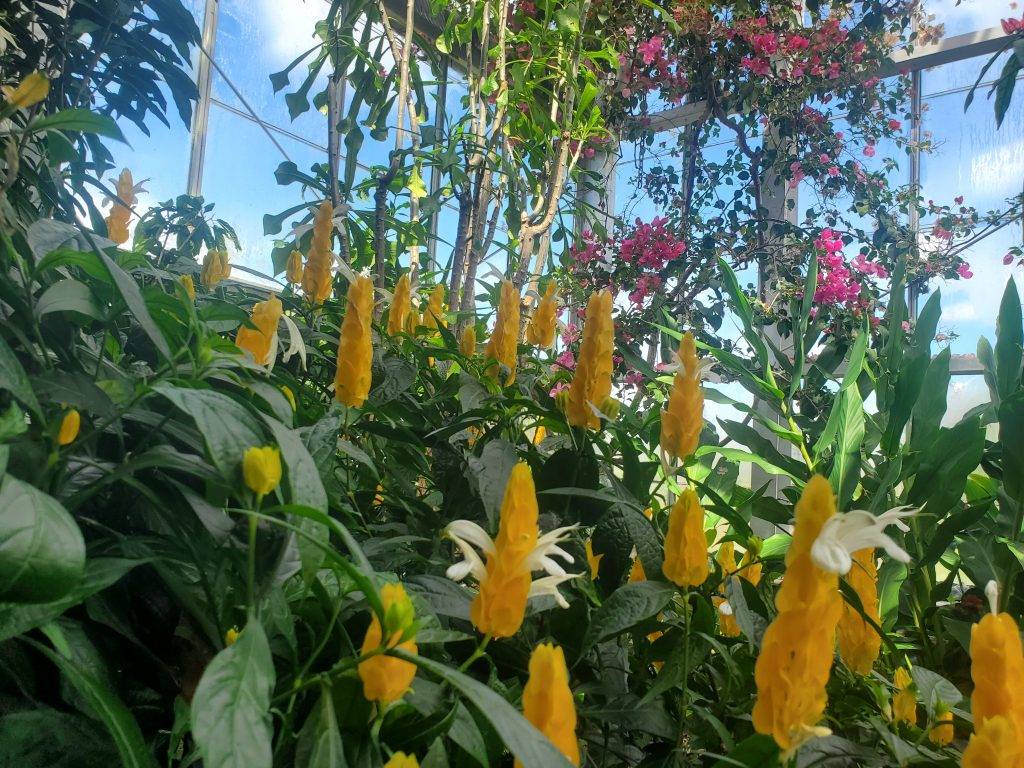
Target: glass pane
965,392
960,16
239,180
985,165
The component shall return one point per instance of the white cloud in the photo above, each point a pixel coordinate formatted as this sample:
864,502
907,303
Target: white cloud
292,22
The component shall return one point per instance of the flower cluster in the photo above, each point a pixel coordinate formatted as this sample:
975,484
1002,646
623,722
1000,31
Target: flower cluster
823,52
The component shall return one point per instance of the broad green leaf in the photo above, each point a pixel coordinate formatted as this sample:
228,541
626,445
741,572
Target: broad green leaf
526,743
742,306
738,454
108,709
129,290
1011,438
489,472
757,751
933,688
617,534
231,719
849,436
931,405
1009,341
42,553
625,608
319,744
46,738
100,573
68,296
14,379
227,428
80,120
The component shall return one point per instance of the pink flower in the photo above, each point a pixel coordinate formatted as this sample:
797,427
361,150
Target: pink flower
869,150
964,270
1008,259
566,360
561,386
895,124
905,325
651,50
1012,26
635,379
833,171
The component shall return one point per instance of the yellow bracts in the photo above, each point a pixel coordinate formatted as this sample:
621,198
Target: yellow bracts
796,654
683,419
355,345
317,277
501,347
591,385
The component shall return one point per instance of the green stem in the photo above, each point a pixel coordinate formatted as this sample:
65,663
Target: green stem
480,649
253,522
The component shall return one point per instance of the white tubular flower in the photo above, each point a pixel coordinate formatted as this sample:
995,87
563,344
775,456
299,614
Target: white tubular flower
470,537
846,533
295,342
724,608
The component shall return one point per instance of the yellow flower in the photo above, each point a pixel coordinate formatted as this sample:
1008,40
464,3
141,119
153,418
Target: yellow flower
289,395
293,270
683,419
859,643
413,321
121,212
726,619
434,317
189,285
997,668
541,330
593,560
231,635
995,744
592,383
501,347
539,434
402,760
216,267
726,558
506,581
941,733
904,700
750,566
33,89
467,341
317,279
69,427
686,549
386,678
261,468
548,702
261,341
355,345
399,312
796,654
636,571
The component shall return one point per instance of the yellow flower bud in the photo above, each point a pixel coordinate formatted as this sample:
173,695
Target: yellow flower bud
386,678
33,89
402,760
317,278
593,560
904,700
261,468
259,340
467,341
216,267
539,434
997,668
859,643
434,317
500,605
189,285
636,571
592,382
548,703
294,269
398,314
796,653
683,419
727,624
69,427
941,733
231,635
750,566
355,345
413,321
686,548
121,212
726,558
995,744
504,341
541,330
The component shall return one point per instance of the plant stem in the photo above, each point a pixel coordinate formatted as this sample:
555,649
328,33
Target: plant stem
480,649
253,521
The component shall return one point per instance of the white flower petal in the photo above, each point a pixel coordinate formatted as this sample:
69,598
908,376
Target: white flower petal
724,608
469,531
295,342
845,533
272,352
549,586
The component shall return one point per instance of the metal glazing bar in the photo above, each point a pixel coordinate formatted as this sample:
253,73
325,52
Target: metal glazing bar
440,116
201,118
914,219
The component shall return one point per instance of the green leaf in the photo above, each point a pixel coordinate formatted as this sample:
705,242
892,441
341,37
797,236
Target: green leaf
490,472
625,608
1009,341
46,738
529,745
849,436
742,306
14,379
100,573
757,751
81,120
1004,87
42,553
68,296
738,454
132,296
231,719
1011,438
617,534
227,428
933,688
931,405
117,719
319,744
